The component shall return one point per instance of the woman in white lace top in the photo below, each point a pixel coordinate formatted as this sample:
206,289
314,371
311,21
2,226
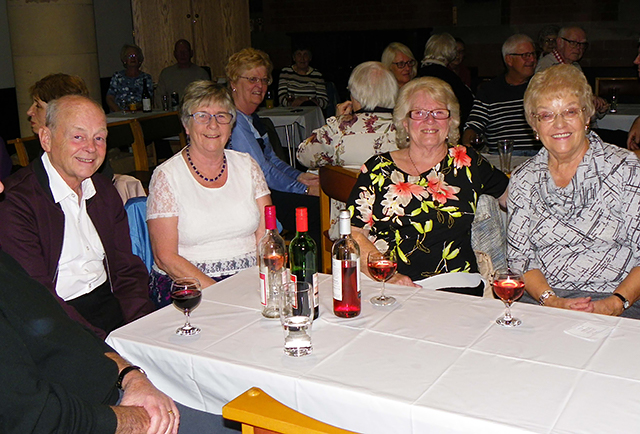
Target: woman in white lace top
206,204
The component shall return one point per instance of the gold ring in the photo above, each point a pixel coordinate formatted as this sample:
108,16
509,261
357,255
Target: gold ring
170,411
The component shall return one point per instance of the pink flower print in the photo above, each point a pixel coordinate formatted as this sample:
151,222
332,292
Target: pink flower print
440,190
460,157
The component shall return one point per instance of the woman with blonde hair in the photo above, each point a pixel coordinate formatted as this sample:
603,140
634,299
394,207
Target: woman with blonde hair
574,208
126,86
420,201
400,61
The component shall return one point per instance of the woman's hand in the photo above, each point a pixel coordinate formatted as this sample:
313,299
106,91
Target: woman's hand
401,279
344,108
583,304
309,179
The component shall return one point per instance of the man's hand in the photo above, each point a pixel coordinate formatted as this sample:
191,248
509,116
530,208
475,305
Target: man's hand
344,108
601,105
131,420
162,411
633,139
309,179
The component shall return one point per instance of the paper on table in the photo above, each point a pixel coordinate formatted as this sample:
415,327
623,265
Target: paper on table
451,280
589,331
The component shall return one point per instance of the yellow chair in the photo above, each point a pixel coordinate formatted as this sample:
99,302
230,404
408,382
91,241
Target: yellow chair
335,183
27,149
260,414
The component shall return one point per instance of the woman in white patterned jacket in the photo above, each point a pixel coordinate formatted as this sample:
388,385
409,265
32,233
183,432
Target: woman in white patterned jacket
574,209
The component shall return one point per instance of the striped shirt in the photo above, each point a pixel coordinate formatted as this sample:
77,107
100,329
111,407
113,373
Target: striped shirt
310,85
498,113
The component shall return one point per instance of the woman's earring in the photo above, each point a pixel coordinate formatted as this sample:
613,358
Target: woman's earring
537,136
586,127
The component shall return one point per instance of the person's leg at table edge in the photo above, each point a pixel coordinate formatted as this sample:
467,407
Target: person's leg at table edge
199,422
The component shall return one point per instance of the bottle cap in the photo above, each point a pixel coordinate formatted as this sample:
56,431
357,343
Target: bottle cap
270,217
345,222
301,220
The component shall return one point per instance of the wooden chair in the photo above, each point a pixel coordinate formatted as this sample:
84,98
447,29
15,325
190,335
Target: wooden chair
27,149
125,134
628,89
335,183
162,126
260,414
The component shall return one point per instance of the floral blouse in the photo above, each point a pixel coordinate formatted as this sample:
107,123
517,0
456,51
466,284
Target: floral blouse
128,90
426,219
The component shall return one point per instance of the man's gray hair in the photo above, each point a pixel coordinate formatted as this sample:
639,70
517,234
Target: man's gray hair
441,47
373,85
512,42
54,107
564,30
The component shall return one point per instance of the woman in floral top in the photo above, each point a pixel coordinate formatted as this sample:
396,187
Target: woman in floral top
126,86
420,201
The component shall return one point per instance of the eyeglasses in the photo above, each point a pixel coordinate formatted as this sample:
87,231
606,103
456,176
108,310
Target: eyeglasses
439,114
255,80
549,41
402,65
576,44
529,55
567,114
204,118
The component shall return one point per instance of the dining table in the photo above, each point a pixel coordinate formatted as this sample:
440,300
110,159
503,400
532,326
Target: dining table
434,362
293,125
621,119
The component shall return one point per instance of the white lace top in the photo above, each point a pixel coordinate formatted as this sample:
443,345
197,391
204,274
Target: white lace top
216,226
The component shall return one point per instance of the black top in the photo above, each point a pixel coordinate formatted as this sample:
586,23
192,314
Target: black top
54,374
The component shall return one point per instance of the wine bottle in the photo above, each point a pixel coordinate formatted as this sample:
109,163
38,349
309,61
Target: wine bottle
146,97
271,260
302,257
345,269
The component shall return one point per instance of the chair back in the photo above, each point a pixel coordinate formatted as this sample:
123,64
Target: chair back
162,126
128,134
27,149
260,413
136,209
627,89
335,183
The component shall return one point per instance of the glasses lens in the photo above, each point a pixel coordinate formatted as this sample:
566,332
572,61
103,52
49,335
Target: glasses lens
440,114
418,115
224,118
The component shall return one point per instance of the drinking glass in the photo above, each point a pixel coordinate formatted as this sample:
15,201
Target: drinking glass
186,295
508,285
296,316
479,143
382,266
505,150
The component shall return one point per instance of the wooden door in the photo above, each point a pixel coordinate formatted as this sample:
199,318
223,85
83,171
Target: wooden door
157,25
220,29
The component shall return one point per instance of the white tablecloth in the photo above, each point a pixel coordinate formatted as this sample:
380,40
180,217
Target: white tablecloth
622,119
433,363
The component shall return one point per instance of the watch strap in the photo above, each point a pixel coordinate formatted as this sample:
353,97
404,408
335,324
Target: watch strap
545,295
125,371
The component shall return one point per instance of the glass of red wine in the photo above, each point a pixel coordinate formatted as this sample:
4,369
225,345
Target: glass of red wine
508,285
382,266
186,295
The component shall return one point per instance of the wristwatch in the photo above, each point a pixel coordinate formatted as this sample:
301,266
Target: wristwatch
125,371
625,302
543,297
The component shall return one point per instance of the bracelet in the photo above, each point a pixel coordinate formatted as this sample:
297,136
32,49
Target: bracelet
125,371
545,295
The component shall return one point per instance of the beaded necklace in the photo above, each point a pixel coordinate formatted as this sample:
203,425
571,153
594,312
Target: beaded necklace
224,166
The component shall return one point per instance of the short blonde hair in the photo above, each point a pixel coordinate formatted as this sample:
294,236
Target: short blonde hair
394,48
441,47
246,59
558,81
203,92
436,89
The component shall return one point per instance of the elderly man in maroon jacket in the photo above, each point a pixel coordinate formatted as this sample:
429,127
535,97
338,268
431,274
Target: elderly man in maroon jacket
66,225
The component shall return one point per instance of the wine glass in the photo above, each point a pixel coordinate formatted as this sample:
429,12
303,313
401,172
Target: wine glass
382,266
186,295
508,285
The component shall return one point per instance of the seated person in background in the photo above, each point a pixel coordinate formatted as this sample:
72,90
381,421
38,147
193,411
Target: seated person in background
498,112
363,127
400,61
300,84
67,226
420,201
574,209
126,86
206,204
439,52
633,139
248,74
176,78
547,40
456,64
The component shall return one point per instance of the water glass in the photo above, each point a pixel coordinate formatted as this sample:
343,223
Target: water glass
296,316
505,149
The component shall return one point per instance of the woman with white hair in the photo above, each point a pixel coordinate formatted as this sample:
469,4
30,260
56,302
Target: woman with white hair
440,51
400,61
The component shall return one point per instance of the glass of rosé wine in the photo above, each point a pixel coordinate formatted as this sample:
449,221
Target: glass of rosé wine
508,285
382,266
186,295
